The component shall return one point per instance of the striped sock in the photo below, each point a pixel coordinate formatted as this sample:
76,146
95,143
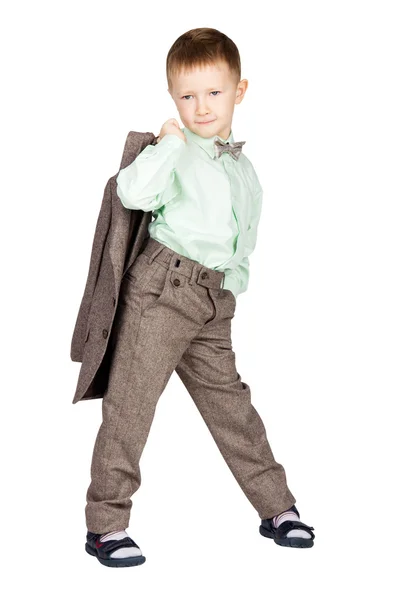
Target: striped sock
289,515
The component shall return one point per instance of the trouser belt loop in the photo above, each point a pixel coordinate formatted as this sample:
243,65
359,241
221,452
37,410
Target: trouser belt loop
193,275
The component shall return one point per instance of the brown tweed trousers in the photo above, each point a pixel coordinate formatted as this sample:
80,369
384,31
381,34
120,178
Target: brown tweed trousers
173,314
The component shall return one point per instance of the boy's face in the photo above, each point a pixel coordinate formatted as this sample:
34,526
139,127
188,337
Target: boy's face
206,97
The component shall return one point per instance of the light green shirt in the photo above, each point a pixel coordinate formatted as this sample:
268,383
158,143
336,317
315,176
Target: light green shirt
205,208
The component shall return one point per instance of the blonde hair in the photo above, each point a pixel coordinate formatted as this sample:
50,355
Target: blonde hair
202,47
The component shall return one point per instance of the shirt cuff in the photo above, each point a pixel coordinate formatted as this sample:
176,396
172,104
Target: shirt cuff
170,140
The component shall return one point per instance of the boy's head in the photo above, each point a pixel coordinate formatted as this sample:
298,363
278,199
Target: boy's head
203,74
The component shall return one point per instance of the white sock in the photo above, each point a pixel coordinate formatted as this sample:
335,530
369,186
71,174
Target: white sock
121,552
289,515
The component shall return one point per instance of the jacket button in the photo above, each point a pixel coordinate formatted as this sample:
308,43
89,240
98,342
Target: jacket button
113,301
204,275
177,282
105,333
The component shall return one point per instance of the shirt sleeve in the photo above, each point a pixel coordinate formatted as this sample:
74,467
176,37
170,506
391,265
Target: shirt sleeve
141,185
237,279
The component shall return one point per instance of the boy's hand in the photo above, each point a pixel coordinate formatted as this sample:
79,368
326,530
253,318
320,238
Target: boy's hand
171,126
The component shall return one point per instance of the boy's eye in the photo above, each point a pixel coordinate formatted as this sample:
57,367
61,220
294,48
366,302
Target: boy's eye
189,95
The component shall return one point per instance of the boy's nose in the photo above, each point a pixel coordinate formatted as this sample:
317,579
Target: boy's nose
202,110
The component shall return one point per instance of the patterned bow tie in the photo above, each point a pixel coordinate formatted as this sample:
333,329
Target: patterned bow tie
233,149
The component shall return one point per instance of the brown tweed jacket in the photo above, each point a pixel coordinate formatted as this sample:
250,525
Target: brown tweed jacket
118,237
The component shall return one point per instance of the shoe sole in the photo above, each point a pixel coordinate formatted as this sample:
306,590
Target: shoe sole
293,542
131,561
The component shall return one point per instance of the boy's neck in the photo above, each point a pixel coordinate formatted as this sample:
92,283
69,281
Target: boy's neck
205,143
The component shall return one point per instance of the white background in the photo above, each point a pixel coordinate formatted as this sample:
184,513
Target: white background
316,335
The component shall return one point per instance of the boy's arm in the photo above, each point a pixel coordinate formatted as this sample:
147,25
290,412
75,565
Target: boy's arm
238,278
141,184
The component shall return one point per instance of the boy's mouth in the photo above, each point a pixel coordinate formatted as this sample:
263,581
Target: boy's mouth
205,122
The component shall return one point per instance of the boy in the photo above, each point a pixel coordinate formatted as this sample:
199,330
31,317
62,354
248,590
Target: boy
178,299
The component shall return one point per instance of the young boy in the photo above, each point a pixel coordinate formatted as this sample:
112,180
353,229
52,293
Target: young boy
178,299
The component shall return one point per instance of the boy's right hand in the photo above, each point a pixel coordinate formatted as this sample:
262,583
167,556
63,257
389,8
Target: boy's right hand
171,126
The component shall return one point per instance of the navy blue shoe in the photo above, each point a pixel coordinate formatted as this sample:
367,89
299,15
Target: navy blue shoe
103,550
278,534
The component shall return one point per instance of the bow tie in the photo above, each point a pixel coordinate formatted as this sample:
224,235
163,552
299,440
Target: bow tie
233,149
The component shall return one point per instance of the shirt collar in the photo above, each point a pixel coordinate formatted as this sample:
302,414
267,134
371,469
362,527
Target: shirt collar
206,143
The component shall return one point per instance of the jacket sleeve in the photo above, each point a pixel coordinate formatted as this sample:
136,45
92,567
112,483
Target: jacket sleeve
98,245
150,180
237,279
